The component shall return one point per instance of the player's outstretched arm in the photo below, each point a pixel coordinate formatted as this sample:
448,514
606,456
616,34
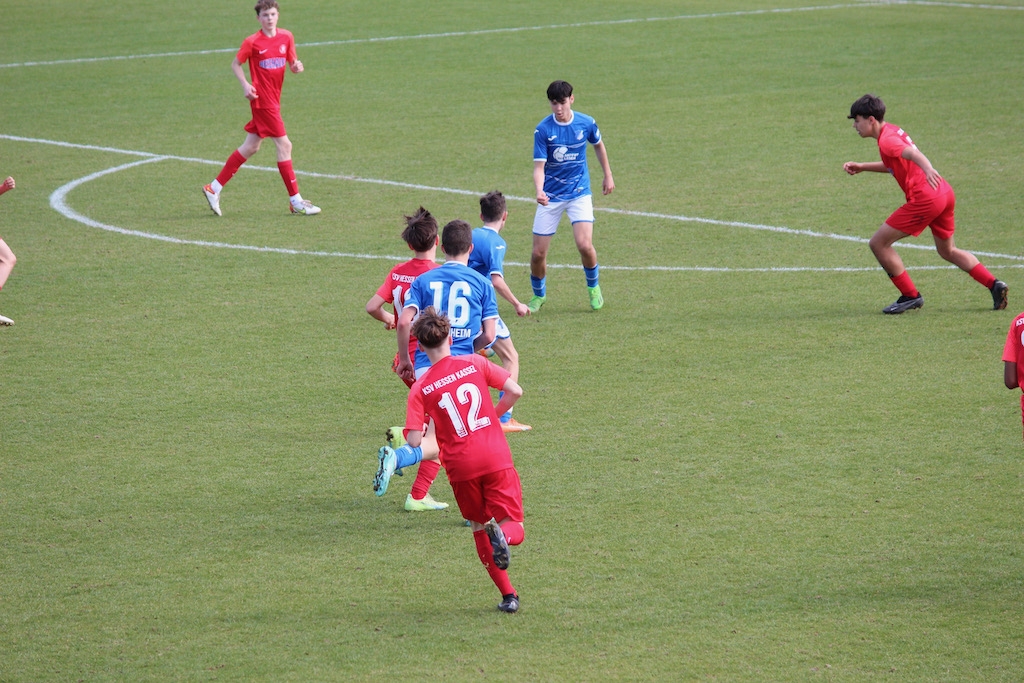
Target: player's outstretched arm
853,167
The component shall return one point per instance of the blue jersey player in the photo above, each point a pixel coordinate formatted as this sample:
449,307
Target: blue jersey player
458,291
488,259
562,181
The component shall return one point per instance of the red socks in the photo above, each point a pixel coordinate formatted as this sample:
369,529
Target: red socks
425,476
231,167
981,274
290,183
486,555
905,285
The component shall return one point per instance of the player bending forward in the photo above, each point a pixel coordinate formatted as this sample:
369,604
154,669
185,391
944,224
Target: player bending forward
930,203
454,393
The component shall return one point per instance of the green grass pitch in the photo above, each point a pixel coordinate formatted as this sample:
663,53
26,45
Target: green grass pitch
739,469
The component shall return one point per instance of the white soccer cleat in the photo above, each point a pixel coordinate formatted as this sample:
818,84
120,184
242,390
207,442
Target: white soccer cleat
5,321
305,207
213,198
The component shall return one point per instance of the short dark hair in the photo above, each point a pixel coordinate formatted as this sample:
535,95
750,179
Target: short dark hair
866,106
492,206
431,328
266,4
457,238
559,91
420,230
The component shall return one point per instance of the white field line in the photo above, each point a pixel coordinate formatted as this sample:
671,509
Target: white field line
521,29
58,201
59,204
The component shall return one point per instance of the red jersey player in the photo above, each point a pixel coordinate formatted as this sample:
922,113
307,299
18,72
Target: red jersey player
268,51
421,235
930,203
455,393
1013,358
7,259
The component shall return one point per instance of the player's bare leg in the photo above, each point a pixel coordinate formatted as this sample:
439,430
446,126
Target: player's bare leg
583,233
881,244
968,262
509,357
538,269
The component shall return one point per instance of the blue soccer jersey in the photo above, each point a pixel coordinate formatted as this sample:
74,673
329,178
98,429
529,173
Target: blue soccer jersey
466,296
488,255
563,149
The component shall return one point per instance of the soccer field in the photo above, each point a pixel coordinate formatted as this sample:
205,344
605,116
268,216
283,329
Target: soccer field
739,468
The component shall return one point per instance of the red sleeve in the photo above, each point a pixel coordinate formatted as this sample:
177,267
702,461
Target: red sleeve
1012,339
384,291
292,55
495,375
245,50
415,410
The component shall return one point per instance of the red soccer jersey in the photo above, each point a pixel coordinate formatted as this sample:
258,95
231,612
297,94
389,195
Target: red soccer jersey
267,59
1013,350
454,393
892,140
396,287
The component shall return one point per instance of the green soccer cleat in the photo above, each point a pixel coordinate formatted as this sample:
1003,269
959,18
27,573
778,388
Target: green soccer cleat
387,468
536,302
395,440
596,300
426,504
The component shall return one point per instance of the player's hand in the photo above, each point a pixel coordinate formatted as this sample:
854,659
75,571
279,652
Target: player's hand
297,67
852,167
8,184
608,185
522,309
542,198
405,370
933,178
390,325
250,92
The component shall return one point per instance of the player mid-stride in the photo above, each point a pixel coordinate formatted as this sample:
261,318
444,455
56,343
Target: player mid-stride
268,51
930,203
562,181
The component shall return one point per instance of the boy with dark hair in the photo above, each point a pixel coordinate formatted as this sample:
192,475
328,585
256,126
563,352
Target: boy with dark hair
454,393
268,51
562,180
487,258
7,257
420,234
468,300
930,203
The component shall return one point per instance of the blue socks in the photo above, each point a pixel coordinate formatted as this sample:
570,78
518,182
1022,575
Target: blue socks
591,274
407,455
539,285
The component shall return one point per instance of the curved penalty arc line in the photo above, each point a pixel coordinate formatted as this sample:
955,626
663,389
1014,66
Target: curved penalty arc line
58,201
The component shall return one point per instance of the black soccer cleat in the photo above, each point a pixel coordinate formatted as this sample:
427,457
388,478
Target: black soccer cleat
904,303
509,603
999,290
499,546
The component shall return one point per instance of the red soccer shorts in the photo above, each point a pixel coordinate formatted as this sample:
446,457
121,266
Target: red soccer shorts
934,210
266,123
498,495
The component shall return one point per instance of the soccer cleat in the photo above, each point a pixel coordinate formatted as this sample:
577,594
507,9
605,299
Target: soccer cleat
509,603
387,468
5,321
499,546
427,503
213,198
514,425
596,300
536,302
904,303
999,290
305,207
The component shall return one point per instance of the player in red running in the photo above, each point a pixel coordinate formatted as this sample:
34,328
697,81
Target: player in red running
7,258
421,235
1013,358
454,392
268,51
930,203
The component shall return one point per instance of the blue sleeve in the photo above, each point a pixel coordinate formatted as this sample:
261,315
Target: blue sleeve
540,145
